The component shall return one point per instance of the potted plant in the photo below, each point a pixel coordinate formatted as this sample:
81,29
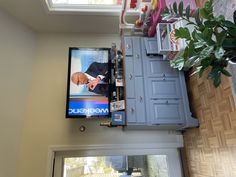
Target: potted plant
212,42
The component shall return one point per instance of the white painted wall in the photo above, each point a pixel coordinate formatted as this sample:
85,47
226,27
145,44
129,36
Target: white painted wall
32,107
17,51
45,123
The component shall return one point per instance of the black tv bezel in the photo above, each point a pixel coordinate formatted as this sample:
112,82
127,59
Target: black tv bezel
68,83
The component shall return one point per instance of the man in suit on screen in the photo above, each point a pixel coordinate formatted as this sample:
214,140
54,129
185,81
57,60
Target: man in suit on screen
96,78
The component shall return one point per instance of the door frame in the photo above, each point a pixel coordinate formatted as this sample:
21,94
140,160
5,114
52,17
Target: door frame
56,154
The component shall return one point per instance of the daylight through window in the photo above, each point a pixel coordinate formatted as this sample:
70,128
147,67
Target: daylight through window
88,7
88,2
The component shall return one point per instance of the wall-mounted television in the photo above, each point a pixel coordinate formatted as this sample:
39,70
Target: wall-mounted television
88,85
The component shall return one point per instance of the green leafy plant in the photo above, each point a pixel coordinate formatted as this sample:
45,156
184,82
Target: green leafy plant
211,43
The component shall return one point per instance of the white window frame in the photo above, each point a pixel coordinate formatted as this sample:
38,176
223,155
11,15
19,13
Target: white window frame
112,10
57,154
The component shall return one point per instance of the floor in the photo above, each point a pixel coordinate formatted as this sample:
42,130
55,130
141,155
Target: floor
211,148
225,7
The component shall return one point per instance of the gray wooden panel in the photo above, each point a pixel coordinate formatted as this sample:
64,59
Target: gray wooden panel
150,45
159,68
155,96
167,112
129,77
130,111
164,88
140,102
138,68
128,46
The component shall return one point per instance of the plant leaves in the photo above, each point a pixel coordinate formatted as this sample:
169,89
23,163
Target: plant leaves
215,76
201,71
166,12
209,6
232,31
220,19
219,52
206,62
198,36
217,80
182,33
190,48
235,16
187,11
191,62
185,55
210,24
207,36
207,33
197,70
201,28
190,23
177,63
206,52
211,74
229,24
199,44
220,37
225,72
194,35
181,8
204,13
229,43
175,7
197,18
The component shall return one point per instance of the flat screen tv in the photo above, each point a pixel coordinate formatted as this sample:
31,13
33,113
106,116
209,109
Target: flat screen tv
88,88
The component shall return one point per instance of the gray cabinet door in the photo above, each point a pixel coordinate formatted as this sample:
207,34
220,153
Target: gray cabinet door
155,93
139,100
129,77
163,88
135,108
130,111
156,67
150,45
166,112
135,112
137,58
128,46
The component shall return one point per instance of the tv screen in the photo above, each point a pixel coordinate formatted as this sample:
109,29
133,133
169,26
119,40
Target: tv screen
88,90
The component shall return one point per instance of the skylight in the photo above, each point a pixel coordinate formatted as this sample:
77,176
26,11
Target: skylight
88,6
88,2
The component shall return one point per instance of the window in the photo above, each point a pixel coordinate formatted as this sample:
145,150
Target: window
114,161
116,166
86,6
88,2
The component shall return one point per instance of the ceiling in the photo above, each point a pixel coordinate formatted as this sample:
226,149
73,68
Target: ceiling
34,14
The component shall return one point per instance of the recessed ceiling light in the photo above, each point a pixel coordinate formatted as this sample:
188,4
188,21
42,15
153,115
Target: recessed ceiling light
103,7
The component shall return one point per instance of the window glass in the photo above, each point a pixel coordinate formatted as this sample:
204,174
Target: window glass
88,2
116,166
